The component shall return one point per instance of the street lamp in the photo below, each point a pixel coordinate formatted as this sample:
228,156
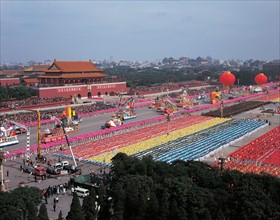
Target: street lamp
2,157
222,109
221,161
168,121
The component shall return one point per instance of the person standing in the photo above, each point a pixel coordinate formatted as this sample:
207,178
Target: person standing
54,207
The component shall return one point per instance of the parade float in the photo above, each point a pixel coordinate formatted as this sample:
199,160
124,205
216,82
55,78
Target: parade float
113,122
69,119
183,100
169,107
157,104
7,136
126,110
215,96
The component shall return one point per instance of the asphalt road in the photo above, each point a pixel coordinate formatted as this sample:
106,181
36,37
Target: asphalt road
88,124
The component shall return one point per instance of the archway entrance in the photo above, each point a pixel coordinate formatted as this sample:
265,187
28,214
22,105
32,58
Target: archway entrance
89,95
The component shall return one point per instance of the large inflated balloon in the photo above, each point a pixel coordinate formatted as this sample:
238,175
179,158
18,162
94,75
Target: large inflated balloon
261,79
227,78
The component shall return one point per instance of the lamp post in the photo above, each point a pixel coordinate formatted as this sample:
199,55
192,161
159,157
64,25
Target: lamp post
221,162
222,109
168,121
2,157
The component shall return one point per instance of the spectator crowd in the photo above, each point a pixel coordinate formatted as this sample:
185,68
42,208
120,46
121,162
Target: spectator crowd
31,102
47,114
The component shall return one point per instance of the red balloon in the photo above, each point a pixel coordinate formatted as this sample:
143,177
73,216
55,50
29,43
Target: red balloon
261,79
227,78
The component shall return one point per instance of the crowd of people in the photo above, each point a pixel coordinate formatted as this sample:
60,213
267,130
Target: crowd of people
56,190
259,156
229,111
32,101
143,90
47,114
261,149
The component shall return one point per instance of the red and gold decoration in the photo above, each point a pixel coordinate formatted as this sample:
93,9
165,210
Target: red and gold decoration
227,79
261,79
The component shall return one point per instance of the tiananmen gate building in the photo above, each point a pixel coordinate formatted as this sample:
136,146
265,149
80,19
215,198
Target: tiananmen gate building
76,79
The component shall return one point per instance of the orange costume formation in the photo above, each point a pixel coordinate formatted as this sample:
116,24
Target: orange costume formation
215,97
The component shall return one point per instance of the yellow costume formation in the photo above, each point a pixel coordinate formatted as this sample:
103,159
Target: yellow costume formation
156,141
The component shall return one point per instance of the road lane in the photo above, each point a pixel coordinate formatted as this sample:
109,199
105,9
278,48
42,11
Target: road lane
88,124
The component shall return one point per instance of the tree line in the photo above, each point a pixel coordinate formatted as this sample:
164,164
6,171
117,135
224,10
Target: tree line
151,76
147,189
15,93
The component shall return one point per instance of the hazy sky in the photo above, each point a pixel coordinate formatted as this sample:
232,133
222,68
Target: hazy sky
138,30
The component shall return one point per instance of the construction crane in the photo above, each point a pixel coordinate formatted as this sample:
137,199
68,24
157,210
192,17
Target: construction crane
67,140
39,148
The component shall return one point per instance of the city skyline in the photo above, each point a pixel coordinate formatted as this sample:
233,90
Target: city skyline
138,30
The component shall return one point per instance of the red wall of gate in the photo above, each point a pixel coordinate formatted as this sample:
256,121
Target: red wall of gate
82,90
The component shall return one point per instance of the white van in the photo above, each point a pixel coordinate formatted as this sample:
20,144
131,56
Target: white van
57,166
82,192
64,163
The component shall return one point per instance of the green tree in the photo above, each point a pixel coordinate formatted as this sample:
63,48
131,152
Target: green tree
28,194
32,211
206,215
11,206
220,215
101,191
187,190
163,196
137,189
173,209
89,206
43,213
119,200
101,194
152,207
14,204
76,211
60,216
193,215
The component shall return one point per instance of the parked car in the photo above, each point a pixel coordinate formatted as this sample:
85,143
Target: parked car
64,163
81,192
54,171
72,169
27,168
40,172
